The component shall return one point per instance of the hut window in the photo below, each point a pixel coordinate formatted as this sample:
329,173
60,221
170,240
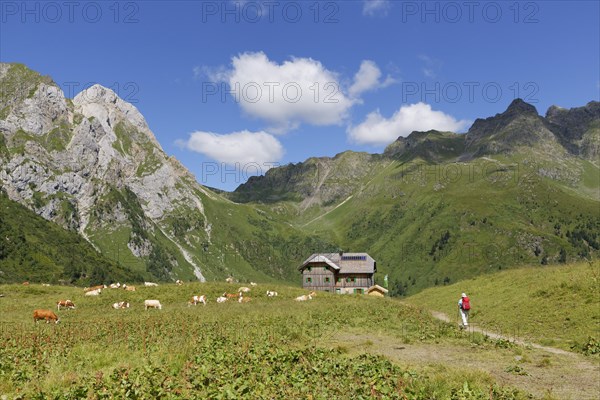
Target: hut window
308,269
327,279
349,279
308,280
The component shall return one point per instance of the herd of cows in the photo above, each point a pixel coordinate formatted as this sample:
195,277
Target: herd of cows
240,296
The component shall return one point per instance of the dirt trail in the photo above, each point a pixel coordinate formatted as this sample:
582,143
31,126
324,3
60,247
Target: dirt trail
562,376
443,317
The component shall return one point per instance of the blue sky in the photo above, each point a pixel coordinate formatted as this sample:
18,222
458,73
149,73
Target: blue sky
230,88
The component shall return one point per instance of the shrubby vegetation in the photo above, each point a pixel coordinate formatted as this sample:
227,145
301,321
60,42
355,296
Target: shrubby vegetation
34,249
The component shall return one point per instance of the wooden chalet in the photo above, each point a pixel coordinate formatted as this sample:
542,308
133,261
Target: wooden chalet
338,272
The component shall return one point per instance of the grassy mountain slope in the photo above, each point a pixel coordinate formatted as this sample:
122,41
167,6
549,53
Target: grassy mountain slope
34,249
430,224
557,305
438,207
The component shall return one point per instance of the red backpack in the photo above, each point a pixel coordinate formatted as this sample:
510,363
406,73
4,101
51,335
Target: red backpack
466,305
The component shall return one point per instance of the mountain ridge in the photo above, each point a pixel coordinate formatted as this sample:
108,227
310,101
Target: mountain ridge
427,209
518,126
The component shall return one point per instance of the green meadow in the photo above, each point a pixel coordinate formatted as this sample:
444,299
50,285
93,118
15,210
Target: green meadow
333,347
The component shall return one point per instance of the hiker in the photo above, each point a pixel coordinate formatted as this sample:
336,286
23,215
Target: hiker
464,305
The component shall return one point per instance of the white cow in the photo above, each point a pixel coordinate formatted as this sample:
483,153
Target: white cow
150,284
115,285
197,299
120,305
244,289
271,293
179,282
306,296
152,304
253,284
95,292
221,299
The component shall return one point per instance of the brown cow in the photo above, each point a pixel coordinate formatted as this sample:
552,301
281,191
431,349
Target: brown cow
45,314
65,304
231,295
130,288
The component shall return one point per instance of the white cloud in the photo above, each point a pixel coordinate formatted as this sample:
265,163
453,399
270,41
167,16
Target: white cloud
376,7
378,130
368,78
236,148
297,91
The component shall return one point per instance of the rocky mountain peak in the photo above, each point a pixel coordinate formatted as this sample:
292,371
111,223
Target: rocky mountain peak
520,107
488,126
109,109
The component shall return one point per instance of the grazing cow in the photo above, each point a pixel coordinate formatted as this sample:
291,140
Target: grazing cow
197,299
120,305
243,299
25,283
178,282
130,288
150,284
230,295
93,292
45,284
152,304
115,285
271,293
99,287
45,314
221,299
68,304
253,284
229,280
244,289
305,297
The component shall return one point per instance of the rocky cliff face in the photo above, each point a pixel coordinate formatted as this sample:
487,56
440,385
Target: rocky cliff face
577,129
93,165
316,181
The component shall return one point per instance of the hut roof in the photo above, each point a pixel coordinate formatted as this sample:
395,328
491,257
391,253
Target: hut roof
377,287
344,263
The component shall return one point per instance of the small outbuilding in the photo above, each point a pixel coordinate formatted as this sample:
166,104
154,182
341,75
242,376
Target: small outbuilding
377,291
